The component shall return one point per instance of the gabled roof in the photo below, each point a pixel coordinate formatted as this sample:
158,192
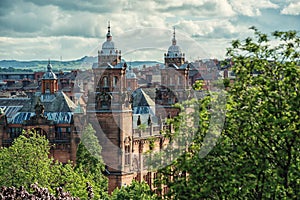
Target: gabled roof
140,98
11,106
58,107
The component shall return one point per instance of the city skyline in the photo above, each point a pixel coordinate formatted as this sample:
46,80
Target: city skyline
33,30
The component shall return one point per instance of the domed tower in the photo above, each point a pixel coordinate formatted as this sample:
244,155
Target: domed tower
108,54
174,81
174,55
49,81
131,80
110,113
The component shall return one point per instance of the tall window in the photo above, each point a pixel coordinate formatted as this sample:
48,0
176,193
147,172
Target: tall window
179,80
115,81
15,132
58,132
105,81
171,80
127,154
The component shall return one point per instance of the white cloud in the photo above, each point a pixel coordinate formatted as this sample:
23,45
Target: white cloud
216,28
251,7
35,29
292,9
46,47
197,8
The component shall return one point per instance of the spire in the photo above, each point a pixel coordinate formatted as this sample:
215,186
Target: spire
174,39
49,66
108,35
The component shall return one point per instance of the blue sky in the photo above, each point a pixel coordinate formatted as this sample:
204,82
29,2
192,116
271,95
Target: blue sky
57,29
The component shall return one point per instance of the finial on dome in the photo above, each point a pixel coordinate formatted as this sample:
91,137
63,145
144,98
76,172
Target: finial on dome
174,39
174,32
49,66
108,35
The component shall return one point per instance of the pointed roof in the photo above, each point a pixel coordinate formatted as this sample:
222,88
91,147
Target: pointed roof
49,74
108,47
174,50
140,98
108,31
174,39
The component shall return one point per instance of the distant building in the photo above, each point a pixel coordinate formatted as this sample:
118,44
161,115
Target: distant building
49,112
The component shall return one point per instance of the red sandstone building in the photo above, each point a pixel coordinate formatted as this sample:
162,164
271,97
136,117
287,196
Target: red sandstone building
117,109
128,120
49,112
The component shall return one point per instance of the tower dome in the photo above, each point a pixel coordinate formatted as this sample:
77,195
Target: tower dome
49,74
174,50
49,81
108,47
130,74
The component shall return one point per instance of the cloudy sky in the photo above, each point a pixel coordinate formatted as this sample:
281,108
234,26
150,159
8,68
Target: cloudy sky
71,29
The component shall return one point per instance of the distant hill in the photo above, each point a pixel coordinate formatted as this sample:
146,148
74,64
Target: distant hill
83,63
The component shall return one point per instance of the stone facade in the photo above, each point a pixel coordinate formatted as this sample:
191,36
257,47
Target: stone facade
49,112
110,110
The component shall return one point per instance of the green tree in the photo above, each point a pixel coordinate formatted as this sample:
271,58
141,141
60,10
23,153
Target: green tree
89,162
27,162
134,191
257,155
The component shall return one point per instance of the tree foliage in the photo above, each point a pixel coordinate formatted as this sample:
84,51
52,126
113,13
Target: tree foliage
27,162
38,193
90,163
134,191
257,155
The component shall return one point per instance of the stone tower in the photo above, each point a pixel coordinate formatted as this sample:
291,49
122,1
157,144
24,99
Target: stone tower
113,113
174,81
108,53
49,81
174,54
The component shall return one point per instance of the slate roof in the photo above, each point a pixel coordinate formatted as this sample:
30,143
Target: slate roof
15,86
150,92
57,117
140,98
11,106
31,86
58,107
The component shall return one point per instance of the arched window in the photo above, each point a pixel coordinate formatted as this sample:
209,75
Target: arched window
41,132
127,154
127,150
105,81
